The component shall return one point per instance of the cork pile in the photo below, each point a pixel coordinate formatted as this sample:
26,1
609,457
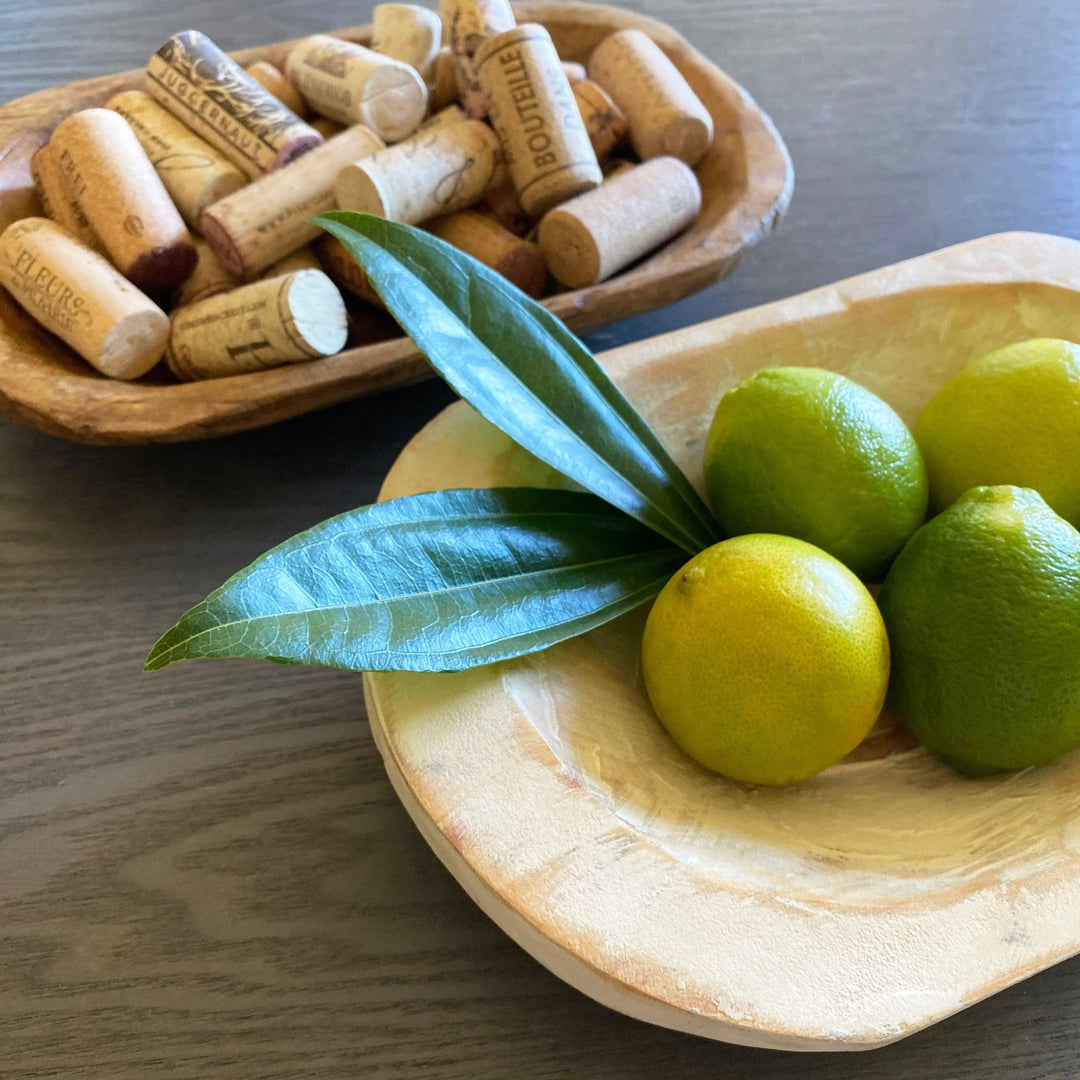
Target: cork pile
177,218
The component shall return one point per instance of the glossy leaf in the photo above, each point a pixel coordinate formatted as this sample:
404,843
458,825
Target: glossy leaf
520,367
435,582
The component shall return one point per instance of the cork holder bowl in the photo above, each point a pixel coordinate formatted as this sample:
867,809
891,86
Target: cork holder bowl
746,180
842,913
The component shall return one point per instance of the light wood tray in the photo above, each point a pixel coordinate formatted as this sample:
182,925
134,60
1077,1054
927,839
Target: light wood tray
746,181
839,914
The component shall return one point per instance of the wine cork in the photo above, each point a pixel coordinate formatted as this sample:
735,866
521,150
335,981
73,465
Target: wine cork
452,114
519,261
327,128
76,294
664,114
536,117
57,201
281,320
354,85
502,202
603,119
210,93
193,172
207,279
270,217
345,272
588,239
435,172
574,71
467,24
301,259
273,80
442,83
408,33
110,176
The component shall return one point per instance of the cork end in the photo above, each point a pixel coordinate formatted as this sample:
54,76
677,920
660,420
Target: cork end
164,268
222,244
317,313
394,101
525,266
134,345
358,189
298,146
570,250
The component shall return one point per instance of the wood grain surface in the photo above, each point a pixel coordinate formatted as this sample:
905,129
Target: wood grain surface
204,873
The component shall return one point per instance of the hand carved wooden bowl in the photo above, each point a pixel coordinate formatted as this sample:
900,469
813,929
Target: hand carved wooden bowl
746,180
839,914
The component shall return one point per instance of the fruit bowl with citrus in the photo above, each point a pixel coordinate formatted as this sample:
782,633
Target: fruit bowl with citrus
888,889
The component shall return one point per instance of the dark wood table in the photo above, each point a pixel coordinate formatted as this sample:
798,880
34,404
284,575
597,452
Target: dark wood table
204,873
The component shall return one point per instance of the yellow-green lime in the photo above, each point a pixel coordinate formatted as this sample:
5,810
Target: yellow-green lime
766,659
983,612
1012,417
811,454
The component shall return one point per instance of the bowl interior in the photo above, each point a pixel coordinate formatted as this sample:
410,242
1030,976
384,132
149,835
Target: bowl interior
888,825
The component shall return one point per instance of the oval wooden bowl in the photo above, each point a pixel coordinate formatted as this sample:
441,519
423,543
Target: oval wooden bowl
746,181
839,914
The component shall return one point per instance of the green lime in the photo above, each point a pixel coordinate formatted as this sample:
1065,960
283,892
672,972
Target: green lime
811,454
766,659
1012,417
983,612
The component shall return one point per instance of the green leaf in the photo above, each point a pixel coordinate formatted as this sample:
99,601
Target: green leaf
524,371
435,582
